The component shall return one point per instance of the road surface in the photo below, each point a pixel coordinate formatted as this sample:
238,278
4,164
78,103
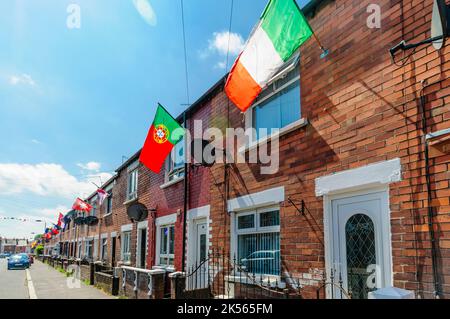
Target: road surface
13,283
43,282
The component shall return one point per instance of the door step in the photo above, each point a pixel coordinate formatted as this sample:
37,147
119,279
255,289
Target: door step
223,297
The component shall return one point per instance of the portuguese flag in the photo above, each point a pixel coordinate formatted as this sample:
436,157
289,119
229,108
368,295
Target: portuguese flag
164,134
282,29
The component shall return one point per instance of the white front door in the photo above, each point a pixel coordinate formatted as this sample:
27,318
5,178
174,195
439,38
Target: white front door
199,278
361,248
202,249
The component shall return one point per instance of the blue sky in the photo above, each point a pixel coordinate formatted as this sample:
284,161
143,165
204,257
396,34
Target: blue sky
74,101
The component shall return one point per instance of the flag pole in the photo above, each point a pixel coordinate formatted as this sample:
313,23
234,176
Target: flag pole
325,52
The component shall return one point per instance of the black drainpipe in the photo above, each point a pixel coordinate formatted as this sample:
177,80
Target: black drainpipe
429,193
185,204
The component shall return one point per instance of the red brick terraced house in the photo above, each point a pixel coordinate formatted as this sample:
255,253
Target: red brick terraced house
90,242
361,196
163,195
355,194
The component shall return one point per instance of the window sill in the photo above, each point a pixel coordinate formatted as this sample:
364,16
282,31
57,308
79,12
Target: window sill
285,130
267,280
109,214
166,268
172,182
125,263
129,201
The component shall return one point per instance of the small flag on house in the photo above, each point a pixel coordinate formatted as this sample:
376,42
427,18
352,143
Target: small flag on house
163,135
282,29
81,206
60,221
54,230
101,196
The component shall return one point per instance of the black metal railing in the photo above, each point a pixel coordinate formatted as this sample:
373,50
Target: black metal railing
222,277
335,286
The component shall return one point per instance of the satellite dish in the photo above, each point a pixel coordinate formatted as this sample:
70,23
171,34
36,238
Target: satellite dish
80,221
440,23
91,220
198,147
137,212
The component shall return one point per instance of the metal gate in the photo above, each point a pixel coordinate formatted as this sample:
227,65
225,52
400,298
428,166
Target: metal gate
220,277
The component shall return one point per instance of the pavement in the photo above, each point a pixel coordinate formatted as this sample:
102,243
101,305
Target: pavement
41,281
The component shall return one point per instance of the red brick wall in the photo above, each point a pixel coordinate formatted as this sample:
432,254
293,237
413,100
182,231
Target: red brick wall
362,109
170,200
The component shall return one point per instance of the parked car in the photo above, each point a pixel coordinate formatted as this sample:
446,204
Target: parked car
2,256
30,257
262,262
7,255
19,261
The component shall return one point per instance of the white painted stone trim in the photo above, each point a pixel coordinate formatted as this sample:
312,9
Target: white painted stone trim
114,234
128,227
265,198
199,212
133,166
166,220
103,236
142,225
373,175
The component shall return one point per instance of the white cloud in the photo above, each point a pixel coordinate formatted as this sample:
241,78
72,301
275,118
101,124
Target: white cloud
90,166
35,141
24,78
28,229
222,41
146,11
45,180
221,65
50,213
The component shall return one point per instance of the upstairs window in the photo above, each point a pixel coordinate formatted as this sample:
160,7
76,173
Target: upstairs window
279,105
132,186
108,201
94,207
175,162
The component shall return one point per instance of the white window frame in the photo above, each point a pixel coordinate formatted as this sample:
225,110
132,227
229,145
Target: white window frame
88,243
95,252
108,199
93,203
246,230
172,174
79,248
132,181
255,230
159,242
125,244
104,248
254,141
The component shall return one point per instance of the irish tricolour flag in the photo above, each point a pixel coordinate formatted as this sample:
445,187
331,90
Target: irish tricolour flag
281,30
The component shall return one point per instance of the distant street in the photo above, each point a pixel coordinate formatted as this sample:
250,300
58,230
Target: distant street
46,282
13,283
